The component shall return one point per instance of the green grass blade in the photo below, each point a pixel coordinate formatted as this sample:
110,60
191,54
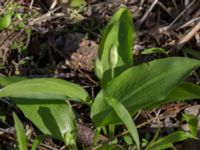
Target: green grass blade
37,142
167,142
125,117
142,86
21,136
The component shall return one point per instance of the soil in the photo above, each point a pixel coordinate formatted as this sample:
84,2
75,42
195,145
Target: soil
64,43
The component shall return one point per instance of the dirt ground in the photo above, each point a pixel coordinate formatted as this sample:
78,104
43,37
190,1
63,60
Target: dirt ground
64,43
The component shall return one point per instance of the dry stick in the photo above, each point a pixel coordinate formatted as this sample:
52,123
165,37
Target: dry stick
53,4
175,5
44,17
164,8
88,77
197,14
141,3
148,11
31,4
6,6
171,24
190,23
10,42
189,36
85,136
10,131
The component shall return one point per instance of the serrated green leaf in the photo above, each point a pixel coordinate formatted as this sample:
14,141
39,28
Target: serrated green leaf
168,141
46,88
125,117
119,32
141,86
5,21
21,136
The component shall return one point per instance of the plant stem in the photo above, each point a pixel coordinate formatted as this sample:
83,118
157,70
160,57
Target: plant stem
97,133
111,130
112,73
112,126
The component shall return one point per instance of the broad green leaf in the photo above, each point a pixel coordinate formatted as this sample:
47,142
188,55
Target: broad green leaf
54,118
192,122
125,117
168,141
46,88
153,51
184,91
193,53
120,33
21,136
141,86
77,3
4,81
5,21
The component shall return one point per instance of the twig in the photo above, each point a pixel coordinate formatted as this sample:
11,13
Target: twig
31,4
172,23
175,5
53,4
44,17
190,23
6,4
8,130
148,11
189,36
164,8
88,77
